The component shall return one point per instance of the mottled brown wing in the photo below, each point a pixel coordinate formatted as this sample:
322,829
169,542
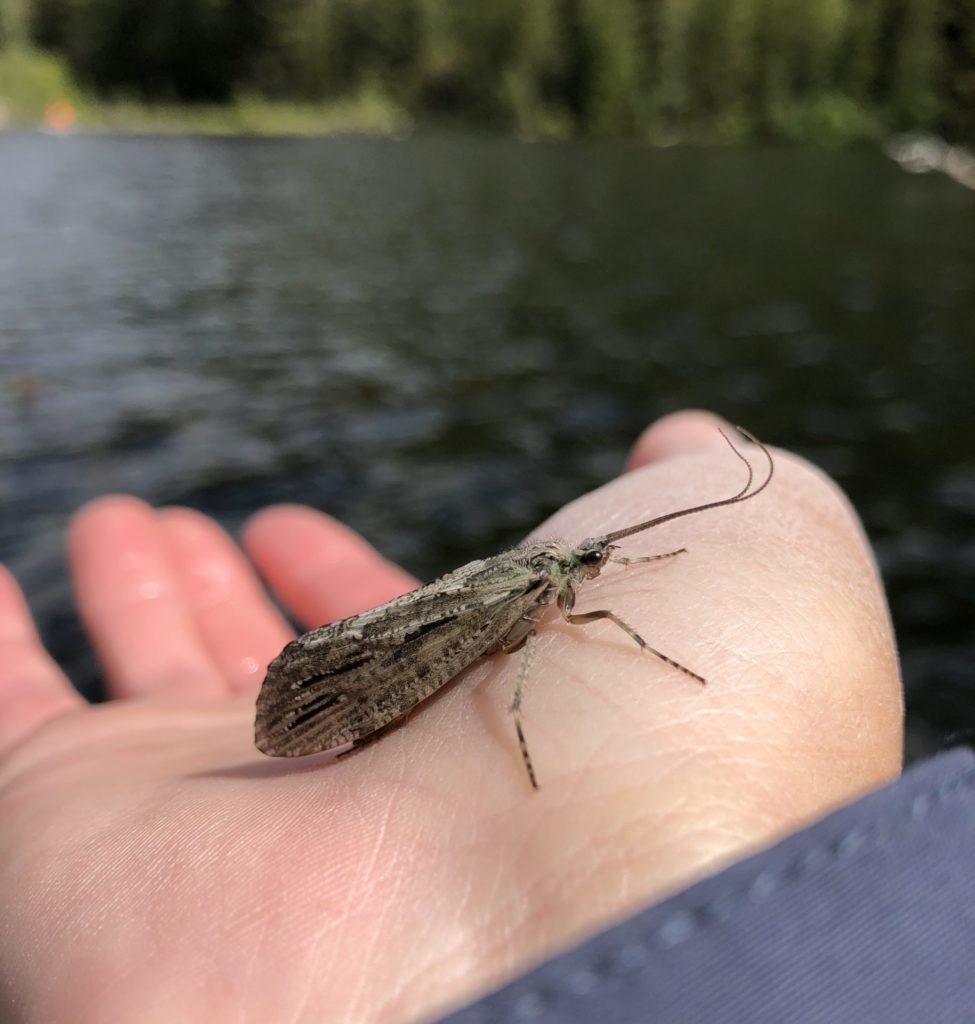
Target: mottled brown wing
342,682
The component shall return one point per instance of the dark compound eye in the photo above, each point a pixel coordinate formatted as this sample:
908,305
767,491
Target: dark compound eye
593,557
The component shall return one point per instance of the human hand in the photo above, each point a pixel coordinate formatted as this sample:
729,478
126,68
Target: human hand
155,866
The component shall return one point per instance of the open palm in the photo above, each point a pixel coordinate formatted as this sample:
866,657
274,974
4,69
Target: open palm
155,866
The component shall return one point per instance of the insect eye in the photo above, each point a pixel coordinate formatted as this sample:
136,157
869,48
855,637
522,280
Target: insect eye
593,557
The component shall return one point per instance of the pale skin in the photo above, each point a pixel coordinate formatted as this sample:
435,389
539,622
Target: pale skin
155,867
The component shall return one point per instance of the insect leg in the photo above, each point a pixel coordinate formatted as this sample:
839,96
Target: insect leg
528,641
565,604
646,558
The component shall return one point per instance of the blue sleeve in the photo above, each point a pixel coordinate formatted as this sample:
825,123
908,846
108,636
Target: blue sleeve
867,916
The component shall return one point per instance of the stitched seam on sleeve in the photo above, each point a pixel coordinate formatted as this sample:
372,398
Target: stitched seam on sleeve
631,956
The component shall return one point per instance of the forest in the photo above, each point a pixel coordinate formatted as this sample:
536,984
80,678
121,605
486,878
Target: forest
662,70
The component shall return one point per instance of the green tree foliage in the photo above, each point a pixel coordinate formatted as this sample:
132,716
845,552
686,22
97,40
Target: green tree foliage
707,69
958,87
914,95
156,49
615,94
860,57
533,83
13,24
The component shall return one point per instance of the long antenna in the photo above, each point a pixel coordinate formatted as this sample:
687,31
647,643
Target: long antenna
742,495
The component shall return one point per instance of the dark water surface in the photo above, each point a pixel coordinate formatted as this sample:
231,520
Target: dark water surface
441,341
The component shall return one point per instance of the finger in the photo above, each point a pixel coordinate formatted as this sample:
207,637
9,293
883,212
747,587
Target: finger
130,599
322,570
240,628
680,433
32,688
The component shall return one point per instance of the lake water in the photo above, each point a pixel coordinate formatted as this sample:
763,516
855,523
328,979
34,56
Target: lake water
442,340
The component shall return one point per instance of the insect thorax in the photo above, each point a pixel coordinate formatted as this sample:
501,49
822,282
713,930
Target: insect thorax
567,565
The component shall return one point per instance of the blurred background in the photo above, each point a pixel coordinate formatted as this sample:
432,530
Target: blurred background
431,266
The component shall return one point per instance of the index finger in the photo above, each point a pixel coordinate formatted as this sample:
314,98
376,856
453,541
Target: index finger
321,569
